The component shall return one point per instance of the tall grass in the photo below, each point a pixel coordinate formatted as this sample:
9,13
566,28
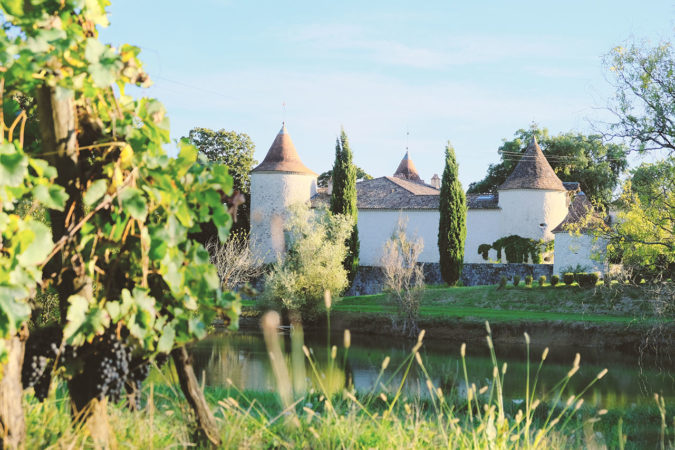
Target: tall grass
317,406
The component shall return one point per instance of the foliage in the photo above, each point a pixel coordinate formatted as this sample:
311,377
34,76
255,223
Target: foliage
121,211
528,280
644,108
517,249
25,242
643,238
555,279
573,156
516,280
235,260
343,200
403,275
325,177
643,102
568,278
502,282
587,280
542,280
235,150
312,263
452,226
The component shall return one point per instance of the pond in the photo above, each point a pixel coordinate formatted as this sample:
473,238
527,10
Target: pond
243,358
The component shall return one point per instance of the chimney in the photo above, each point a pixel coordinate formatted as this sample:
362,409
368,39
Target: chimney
435,181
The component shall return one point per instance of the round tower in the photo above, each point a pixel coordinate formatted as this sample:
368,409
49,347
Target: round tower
280,181
533,200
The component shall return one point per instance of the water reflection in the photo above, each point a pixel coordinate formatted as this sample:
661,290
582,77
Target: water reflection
242,357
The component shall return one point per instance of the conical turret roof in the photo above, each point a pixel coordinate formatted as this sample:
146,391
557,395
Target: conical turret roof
282,156
407,170
533,172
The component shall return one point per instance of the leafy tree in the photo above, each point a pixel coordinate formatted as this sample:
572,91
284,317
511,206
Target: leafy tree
323,179
312,264
452,225
573,156
131,281
235,150
343,200
644,102
644,107
643,238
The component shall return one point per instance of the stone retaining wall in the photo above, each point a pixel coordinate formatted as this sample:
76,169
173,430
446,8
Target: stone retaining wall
370,280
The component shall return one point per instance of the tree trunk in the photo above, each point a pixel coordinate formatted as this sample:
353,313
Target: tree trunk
206,422
12,419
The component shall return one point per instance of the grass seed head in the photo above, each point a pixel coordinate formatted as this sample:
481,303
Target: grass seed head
348,339
333,352
544,354
385,362
602,374
527,338
327,299
462,349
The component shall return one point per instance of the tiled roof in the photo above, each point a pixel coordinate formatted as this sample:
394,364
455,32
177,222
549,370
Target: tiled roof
573,186
482,201
581,215
533,172
407,170
388,193
282,156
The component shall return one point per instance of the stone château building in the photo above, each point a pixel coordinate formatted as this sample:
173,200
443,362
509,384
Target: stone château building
532,203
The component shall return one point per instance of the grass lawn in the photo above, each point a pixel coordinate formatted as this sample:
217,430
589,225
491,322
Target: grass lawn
617,304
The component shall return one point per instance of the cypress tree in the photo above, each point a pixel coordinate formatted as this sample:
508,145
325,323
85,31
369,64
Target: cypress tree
343,199
452,226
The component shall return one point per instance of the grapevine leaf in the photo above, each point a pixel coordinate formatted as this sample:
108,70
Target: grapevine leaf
13,165
96,190
38,239
165,343
13,311
134,203
52,196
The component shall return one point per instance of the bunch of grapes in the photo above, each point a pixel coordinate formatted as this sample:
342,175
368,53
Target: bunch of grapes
42,349
105,368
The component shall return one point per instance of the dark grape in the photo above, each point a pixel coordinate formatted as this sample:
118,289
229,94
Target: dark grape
42,349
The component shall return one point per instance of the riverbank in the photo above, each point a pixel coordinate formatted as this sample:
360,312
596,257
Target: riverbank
618,317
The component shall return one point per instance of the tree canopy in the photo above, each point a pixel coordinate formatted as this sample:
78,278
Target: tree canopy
343,199
233,149
452,225
644,107
596,165
323,179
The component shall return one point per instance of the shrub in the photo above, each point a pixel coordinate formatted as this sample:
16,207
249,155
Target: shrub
528,280
542,280
502,282
313,263
516,280
555,279
568,278
403,276
587,280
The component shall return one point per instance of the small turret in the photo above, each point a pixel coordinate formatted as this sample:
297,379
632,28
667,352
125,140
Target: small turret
278,182
436,181
533,172
407,170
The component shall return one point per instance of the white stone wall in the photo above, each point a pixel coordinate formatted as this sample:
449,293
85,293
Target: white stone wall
583,250
483,226
524,210
271,195
376,227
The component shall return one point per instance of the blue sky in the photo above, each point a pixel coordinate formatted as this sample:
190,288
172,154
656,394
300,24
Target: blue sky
469,72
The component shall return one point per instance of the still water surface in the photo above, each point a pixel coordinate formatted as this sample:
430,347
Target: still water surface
242,357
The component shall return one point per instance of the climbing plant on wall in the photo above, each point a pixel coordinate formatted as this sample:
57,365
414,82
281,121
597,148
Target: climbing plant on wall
517,249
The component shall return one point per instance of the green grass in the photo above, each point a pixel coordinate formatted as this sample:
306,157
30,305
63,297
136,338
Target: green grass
619,304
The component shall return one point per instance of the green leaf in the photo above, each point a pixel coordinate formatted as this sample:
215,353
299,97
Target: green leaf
52,196
13,310
166,341
13,7
134,203
96,190
36,243
13,165
83,321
